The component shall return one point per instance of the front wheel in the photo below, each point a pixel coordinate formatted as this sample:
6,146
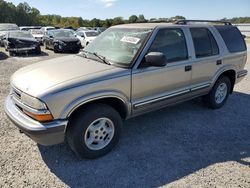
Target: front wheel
217,97
94,131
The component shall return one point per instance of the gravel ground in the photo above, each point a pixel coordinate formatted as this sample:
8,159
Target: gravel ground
186,145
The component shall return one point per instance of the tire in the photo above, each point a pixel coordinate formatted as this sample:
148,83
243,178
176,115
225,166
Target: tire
45,45
217,97
11,54
55,49
93,124
38,50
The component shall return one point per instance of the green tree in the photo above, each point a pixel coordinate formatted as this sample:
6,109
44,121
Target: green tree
133,19
141,19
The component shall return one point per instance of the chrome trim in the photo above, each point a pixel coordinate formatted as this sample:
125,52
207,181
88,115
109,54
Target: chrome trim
242,73
27,108
171,95
161,98
200,87
22,49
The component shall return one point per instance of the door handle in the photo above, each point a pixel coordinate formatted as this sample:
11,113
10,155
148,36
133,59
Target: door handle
219,62
188,68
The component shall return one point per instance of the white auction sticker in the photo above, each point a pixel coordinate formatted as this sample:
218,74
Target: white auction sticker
132,40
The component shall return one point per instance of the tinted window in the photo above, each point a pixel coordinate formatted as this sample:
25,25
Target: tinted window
232,38
172,43
204,42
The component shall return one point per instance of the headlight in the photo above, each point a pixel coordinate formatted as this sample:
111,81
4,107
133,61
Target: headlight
32,102
38,109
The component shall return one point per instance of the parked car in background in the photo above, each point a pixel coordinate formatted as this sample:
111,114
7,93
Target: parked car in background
6,27
27,28
127,71
86,36
99,29
45,29
38,35
62,40
16,42
70,27
83,28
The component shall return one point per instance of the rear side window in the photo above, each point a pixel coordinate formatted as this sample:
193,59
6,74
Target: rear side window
172,43
204,42
232,38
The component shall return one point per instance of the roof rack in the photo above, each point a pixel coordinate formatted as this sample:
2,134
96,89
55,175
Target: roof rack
184,22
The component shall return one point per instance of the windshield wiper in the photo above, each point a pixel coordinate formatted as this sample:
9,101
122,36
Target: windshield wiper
102,58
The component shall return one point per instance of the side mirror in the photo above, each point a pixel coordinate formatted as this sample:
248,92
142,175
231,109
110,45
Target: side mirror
50,36
156,59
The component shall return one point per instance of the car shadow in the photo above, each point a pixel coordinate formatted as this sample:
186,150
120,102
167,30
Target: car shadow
3,56
23,55
161,147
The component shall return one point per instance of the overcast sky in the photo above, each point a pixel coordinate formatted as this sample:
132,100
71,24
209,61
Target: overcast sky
191,9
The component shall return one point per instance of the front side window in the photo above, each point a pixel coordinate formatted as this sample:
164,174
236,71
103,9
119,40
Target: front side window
119,45
172,43
204,42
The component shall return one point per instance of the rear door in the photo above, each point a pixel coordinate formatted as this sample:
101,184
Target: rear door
207,59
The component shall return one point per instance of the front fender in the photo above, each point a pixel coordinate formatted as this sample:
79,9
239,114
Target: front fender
73,105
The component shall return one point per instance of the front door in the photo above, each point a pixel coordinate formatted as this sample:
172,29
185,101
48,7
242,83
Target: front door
153,87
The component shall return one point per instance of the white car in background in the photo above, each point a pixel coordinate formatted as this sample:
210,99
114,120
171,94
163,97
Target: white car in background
86,36
37,34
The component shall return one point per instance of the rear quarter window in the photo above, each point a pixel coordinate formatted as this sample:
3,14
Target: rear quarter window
232,38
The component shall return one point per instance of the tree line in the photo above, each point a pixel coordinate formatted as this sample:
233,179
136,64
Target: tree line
24,15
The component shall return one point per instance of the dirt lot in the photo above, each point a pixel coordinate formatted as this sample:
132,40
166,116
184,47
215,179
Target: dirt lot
182,146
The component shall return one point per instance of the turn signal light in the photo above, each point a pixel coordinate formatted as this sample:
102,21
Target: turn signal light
39,117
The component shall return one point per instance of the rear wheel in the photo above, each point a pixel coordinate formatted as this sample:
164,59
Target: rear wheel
217,97
93,132
38,50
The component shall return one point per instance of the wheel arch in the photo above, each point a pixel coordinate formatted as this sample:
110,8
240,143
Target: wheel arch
230,73
119,104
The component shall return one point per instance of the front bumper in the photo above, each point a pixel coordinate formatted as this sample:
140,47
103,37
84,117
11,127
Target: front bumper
67,47
22,49
43,133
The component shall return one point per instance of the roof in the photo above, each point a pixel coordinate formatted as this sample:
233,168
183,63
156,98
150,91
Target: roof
143,25
154,25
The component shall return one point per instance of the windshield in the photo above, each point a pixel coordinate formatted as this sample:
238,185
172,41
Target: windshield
20,34
119,45
36,31
91,33
63,33
8,27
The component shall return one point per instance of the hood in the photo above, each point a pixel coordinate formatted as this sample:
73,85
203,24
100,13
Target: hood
67,39
21,42
60,73
25,40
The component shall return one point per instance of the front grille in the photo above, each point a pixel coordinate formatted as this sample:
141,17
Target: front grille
71,44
